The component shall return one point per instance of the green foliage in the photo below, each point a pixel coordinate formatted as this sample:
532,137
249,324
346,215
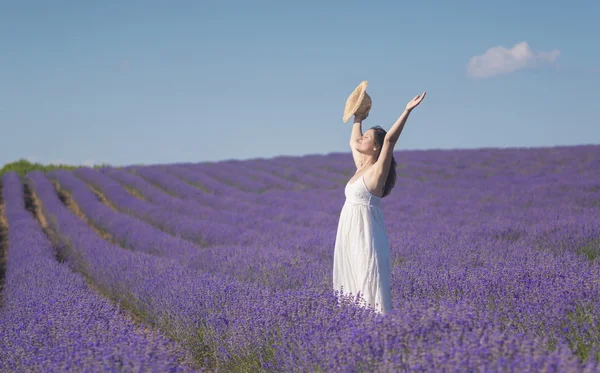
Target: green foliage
591,249
583,331
23,166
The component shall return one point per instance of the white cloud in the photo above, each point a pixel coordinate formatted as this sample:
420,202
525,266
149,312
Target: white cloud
499,60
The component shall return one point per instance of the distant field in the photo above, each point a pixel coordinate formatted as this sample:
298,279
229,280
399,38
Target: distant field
226,266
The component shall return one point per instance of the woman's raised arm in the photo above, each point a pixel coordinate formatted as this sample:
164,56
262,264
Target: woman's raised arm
355,135
394,133
382,165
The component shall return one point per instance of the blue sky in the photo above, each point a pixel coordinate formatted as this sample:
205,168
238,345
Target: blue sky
127,82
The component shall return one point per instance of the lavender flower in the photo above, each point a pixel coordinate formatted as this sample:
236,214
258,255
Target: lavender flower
53,321
494,261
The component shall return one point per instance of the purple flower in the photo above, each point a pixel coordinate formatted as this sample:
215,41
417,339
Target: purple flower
494,259
51,320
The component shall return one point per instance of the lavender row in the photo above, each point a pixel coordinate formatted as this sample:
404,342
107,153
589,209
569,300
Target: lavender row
52,321
333,161
265,170
201,176
263,264
192,207
300,330
541,216
265,205
272,181
310,169
262,202
231,177
192,182
293,173
222,175
257,230
150,192
242,180
204,232
181,189
318,241
208,184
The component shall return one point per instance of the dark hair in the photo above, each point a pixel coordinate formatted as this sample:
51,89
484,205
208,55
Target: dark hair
391,178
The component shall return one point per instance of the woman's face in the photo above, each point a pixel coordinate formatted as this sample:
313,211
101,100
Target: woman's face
366,143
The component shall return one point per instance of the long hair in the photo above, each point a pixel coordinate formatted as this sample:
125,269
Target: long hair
391,178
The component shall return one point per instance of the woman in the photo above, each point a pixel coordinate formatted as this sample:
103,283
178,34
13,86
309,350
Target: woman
361,261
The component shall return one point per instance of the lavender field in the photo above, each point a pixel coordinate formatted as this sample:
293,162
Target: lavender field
227,266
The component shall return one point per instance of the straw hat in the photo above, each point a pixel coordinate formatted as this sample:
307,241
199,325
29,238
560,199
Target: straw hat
359,102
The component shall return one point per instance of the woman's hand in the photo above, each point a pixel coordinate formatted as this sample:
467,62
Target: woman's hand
360,117
415,101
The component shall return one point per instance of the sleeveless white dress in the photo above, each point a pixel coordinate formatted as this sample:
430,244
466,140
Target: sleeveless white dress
361,260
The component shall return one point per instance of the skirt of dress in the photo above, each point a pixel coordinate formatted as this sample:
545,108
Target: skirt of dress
361,261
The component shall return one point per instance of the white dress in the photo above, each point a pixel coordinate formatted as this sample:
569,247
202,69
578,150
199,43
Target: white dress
361,260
